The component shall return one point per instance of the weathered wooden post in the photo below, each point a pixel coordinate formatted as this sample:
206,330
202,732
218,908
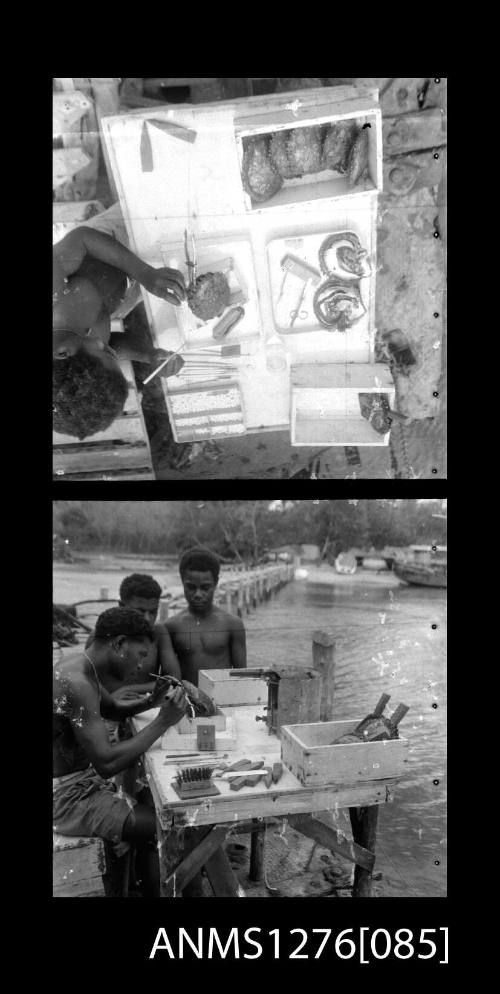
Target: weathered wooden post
229,598
253,593
257,840
240,598
104,593
364,832
323,653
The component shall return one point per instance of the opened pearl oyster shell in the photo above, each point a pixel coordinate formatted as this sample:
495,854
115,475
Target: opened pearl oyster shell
338,305
209,296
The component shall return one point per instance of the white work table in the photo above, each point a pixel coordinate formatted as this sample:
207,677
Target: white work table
244,809
198,186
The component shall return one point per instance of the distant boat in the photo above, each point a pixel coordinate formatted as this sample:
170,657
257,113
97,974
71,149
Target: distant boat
346,563
374,563
425,568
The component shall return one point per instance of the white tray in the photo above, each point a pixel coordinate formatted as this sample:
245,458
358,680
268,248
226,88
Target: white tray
229,255
306,248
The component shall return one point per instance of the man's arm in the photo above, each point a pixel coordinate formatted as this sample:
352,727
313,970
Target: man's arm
107,758
69,253
169,664
126,702
238,645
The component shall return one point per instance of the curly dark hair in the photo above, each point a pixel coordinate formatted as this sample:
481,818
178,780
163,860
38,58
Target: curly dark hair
200,559
139,585
86,395
122,621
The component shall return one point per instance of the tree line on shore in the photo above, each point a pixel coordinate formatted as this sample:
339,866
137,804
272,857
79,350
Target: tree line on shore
245,530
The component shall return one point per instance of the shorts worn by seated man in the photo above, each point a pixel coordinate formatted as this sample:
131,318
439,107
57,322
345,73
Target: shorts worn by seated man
86,804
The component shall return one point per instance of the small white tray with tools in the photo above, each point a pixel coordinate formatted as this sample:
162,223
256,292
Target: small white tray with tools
304,270
238,319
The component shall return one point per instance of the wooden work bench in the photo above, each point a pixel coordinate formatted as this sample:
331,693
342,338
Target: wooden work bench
191,833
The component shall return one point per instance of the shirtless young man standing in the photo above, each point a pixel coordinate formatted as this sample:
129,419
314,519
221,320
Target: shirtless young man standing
205,637
85,798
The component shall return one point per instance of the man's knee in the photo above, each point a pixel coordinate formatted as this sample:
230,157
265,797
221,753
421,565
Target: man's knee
140,824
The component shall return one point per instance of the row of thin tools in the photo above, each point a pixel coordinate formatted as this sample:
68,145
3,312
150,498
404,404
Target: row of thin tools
207,364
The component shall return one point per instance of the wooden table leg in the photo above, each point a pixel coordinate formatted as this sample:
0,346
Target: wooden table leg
257,841
170,853
223,881
364,830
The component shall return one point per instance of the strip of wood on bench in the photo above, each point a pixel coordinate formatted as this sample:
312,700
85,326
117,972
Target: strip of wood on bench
194,861
330,837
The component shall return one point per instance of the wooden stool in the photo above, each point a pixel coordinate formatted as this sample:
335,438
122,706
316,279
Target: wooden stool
78,866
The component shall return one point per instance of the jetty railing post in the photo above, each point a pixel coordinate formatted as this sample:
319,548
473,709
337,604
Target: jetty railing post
163,612
104,593
229,597
323,653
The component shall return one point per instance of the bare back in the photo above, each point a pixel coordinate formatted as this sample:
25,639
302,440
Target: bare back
69,705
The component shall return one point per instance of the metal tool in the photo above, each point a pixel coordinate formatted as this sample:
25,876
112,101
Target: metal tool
296,312
160,367
228,322
303,315
190,257
290,679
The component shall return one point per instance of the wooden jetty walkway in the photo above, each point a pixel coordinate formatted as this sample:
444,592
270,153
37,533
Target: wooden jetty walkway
240,590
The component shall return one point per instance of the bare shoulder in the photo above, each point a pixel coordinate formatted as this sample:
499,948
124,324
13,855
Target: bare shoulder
72,683
161,633
231,621
177,622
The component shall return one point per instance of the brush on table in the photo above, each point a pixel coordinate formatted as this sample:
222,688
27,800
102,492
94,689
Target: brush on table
195,781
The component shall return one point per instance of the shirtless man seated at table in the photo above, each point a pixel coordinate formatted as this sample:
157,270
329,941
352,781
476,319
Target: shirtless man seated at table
141,592
86,801
204,637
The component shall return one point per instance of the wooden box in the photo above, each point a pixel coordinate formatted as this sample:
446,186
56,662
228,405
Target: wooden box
188,726
327,109
325,403
306,750
226,690
176,742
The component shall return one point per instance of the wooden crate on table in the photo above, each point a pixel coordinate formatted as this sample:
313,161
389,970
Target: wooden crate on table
329,108
326,403
307,751
225,690
121,452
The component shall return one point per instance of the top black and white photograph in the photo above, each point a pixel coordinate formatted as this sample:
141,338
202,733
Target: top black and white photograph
249,278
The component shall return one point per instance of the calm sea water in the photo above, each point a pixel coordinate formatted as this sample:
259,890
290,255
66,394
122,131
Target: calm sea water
384,642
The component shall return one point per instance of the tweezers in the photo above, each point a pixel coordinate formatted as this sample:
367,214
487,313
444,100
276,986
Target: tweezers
190,258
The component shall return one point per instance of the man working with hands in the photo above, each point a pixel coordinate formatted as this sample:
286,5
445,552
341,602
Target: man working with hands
85,799
97,278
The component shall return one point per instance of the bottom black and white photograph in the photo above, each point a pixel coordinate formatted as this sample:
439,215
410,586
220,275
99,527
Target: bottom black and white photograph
249,699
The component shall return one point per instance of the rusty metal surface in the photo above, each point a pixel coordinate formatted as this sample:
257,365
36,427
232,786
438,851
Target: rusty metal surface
413,132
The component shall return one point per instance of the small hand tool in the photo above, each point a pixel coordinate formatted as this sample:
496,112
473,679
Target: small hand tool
190,257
